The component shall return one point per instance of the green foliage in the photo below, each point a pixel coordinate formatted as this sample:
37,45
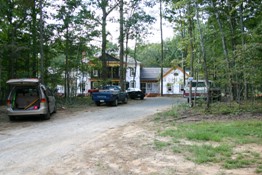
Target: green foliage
70,28
214,141
230,108
73,103
159,145
243,160
173,113
208,153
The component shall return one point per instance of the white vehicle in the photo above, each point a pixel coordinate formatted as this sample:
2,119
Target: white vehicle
29,97
199,90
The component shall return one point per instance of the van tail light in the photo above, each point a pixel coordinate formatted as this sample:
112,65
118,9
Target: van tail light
43,100
8,102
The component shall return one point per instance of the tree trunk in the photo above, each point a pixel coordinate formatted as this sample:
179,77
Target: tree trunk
203,55
236,75
104,42
190,31
41,41
243,46
162,49
67,88
34,36
126,55
121,43
225,50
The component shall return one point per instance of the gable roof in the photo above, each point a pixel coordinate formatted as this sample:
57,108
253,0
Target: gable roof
178,68
109,58
152,73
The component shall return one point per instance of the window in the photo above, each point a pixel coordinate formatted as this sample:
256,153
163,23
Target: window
132,72
132,84
115,72
169,86
198,84
95,73
149,86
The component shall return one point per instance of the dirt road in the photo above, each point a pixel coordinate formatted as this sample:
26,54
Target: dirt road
63,144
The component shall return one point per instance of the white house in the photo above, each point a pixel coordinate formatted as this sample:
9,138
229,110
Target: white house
133,73
173,80
145,78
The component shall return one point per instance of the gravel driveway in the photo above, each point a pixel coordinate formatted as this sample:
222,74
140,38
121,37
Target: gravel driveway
34,147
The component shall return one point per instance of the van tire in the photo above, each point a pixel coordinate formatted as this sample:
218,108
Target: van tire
115,102
46,116
55,109
12,118
125,100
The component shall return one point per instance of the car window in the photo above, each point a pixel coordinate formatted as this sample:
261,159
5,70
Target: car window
49,92
198,84
27,91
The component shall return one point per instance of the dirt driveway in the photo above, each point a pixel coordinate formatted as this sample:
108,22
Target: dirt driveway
98,141
75,142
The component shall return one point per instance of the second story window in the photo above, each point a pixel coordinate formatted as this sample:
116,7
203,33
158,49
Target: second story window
132,72
95,73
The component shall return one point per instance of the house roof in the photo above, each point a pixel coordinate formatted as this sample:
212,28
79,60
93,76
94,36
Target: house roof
178,68
109,58
152,73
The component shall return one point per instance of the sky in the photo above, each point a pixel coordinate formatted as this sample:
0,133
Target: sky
113,28
154,29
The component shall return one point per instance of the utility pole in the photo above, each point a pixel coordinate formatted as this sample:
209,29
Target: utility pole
162,48
41,41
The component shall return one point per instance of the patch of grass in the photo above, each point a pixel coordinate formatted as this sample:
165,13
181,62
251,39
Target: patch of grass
225,134
237,131
236,108
73,102
242,160
174,112
159,145
214,141
259,169
208,153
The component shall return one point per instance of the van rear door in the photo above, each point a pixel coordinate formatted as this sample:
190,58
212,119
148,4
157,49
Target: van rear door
23,81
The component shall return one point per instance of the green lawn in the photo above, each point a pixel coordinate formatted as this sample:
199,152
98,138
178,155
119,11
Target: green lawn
211,141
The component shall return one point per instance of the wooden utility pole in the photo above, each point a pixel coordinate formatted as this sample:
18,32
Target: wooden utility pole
41,41
121,43
162,48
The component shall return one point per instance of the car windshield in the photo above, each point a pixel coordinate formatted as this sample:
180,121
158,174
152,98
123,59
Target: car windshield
198,84
111,88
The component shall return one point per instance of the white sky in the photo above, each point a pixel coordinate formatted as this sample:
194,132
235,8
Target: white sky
113,28
155,37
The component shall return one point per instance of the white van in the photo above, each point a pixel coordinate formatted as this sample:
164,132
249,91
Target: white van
199,90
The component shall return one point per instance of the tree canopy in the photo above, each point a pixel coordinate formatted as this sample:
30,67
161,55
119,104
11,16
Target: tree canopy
219,38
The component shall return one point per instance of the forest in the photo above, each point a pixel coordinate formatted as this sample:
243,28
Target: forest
219,40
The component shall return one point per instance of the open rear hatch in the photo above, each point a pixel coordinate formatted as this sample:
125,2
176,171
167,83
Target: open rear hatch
24,81
25,94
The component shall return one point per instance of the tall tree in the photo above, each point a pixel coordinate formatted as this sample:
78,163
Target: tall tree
203,52
225,48
121,43
106,7
41,41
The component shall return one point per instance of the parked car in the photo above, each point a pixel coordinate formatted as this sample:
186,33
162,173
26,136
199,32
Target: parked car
199,90
110,94
28,97
135,93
